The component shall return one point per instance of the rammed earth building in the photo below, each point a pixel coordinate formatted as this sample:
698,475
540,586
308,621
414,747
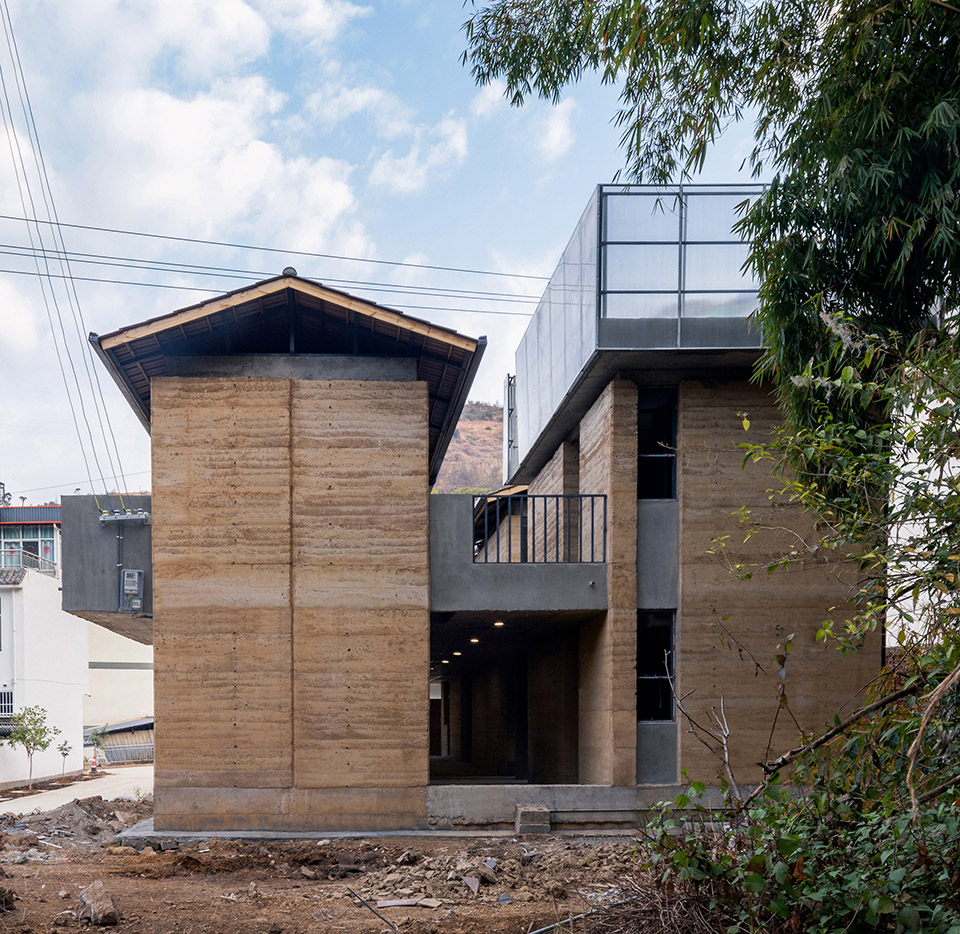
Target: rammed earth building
337,649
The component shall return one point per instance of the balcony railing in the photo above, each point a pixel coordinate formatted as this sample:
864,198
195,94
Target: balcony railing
526,528
115,753
6,705
13,556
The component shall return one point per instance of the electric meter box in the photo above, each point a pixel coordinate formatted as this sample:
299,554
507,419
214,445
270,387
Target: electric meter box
131,590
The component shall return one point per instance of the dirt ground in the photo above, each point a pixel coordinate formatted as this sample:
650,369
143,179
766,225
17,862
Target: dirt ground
481,886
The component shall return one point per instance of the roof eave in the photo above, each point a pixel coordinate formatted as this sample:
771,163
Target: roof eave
455,409
120,378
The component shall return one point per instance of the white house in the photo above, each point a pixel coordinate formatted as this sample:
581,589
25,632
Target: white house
43,662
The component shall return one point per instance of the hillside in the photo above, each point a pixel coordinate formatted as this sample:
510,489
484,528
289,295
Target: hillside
474,461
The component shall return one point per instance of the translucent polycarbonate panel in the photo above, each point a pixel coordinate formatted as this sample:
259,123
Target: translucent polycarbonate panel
557,337
719,304
522,390
712,216
571,351
641,305
589,251
641,217
544,362
641,268
561,335
716,267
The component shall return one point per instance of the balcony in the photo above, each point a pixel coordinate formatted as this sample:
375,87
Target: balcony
15,556
523,528
517,553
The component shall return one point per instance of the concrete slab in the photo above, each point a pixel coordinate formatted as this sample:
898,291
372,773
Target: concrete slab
120,781
143,833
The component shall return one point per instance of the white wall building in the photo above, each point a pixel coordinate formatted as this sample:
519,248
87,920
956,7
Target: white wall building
120,678
43,662
118,671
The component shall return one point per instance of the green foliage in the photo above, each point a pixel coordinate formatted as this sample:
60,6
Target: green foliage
856,113
844,847
856,245
32,732
64,749
836,851
888,494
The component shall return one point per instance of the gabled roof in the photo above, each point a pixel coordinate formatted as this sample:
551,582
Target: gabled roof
291,315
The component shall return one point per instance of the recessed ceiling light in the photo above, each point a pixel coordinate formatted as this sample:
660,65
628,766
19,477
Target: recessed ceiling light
474,640
498,623
444,661
458,653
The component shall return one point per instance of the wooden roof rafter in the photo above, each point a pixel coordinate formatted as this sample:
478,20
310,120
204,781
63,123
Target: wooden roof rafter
447,360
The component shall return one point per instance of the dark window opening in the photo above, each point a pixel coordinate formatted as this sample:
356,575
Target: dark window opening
655,653
657,444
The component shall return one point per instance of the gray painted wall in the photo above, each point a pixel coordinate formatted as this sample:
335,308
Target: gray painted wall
658,553
456,583
657,753
90,579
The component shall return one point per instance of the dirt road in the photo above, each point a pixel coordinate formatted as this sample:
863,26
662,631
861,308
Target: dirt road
442,885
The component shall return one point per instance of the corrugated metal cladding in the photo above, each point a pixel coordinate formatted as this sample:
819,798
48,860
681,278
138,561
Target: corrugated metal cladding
32,515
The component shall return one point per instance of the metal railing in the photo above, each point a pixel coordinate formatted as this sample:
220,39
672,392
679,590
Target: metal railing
6,705
127,752
13,556
524,528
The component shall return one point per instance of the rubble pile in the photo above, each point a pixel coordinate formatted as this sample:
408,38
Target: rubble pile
85,821
503,873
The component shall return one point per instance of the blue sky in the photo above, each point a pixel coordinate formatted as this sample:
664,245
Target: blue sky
317,125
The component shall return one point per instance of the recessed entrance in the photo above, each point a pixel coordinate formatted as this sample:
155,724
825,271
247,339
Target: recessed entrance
508,700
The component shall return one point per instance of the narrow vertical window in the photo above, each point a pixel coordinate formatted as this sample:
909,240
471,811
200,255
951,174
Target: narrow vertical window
657,444
655,653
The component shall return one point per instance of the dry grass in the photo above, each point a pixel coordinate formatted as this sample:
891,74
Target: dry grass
649,908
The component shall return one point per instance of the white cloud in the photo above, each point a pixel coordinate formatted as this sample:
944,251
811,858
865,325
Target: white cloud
201,39
314,20
555,132
203,167
411,274
489,100
410,173
19,321
332,105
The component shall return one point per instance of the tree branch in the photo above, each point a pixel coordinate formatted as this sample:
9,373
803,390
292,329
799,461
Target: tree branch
771,768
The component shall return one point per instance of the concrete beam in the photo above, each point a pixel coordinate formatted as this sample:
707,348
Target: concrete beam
297,366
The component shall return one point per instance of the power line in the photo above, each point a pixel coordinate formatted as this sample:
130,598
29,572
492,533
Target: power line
389,288
18,167
73,483
270,249
73,298
197,288
226,272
